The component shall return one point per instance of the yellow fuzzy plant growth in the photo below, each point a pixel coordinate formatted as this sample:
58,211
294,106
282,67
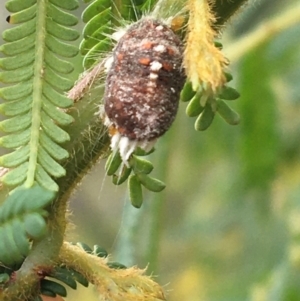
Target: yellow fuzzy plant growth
203,61
129,284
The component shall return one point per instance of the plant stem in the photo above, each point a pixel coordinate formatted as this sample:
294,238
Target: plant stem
41,259
224,9
115,284
263,33
37,92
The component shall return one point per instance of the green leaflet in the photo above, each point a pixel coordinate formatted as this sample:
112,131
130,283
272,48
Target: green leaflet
53,287
99,17
20,31
52,130
23,15
17,91
151,184
20,236
16,123
228,77
18,5
91,57
16,107
35,62
57,81
4,278
94,9
60,31
22,216
56,98
101,47
99,251
205,119
69,277
9,253
141,165
135,191
35,225
19,75
86,248
113,163
229,115
15,140
51,166
59,65
19,46
57,115
68,5
61,17
187,93
16,176
229,93
64,276
194,108
60,48
100,34
116,265
54,150
43,178
97,21
18,61
15,158
79,278
122,177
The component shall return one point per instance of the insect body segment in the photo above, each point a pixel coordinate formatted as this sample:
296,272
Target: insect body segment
143,84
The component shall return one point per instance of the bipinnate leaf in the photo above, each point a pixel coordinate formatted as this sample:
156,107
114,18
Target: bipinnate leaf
99,23
34,67
102,18
22,217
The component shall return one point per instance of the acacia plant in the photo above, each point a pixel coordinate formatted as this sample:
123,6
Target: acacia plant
54,137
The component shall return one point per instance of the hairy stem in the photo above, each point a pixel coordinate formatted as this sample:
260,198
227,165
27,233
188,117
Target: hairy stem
42,258
111,284
224,9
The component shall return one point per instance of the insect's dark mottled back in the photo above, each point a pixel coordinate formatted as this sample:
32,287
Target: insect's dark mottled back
144,81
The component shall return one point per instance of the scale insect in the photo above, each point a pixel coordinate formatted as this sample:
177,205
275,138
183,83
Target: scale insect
142,87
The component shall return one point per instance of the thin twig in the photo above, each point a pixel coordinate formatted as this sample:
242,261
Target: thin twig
264,32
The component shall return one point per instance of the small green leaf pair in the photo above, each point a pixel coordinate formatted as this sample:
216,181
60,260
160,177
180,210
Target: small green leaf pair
204,106
67,276
98,19
97,250
135,183
141,168
100,252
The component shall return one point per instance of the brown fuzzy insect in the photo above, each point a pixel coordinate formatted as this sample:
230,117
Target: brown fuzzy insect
143,85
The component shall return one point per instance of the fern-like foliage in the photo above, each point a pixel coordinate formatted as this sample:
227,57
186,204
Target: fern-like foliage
34,73
22,217
102,17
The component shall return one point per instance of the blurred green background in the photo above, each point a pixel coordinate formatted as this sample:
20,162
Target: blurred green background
227,227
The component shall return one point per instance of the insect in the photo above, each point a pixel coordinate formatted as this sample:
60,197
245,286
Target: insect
143,83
